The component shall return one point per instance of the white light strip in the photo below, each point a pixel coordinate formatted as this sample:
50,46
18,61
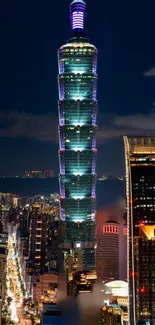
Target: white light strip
129,224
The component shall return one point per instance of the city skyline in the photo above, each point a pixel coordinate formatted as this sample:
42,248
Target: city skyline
81,243
126,81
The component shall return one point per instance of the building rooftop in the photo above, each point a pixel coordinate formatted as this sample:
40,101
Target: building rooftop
74,1
117,288
140,145
111,221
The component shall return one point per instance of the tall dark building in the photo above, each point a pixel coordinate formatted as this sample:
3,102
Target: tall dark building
24,223
38,239
77,138
53,245
140,187
145,279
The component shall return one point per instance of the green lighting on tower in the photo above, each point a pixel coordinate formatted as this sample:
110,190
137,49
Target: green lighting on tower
77,81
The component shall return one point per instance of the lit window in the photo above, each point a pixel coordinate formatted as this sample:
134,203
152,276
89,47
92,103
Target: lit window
111,229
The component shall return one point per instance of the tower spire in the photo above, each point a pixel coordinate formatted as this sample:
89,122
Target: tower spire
77,15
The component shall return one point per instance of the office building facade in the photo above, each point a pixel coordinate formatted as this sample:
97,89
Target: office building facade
77,80
145,279
111,251
140,187
38,240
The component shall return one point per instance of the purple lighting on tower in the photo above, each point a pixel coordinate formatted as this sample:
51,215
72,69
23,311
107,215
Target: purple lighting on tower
77,14
78,20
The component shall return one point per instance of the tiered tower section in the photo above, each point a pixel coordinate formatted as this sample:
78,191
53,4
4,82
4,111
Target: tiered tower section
77,136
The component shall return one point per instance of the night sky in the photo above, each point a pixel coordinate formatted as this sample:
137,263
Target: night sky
30,34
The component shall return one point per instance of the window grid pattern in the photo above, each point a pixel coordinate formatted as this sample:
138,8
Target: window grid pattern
77,81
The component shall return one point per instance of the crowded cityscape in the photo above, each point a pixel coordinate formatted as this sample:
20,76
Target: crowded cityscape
66,257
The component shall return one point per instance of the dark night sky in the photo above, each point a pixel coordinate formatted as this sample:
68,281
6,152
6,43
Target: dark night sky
30,34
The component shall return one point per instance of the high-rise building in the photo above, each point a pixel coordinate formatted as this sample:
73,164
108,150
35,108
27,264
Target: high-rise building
38,239
24,222
77,138
53,245
140,186
144,249
111,251
3,261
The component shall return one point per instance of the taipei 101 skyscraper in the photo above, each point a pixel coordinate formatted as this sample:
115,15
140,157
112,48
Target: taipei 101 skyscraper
77,81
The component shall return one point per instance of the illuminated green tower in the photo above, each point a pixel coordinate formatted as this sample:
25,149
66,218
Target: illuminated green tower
77,138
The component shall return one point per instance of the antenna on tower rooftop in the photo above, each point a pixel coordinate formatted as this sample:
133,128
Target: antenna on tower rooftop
77,14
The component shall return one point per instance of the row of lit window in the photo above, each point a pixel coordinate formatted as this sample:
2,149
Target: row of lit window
74,136
82,140
85,128
145,205
69,104
79,50
84,65
82,60
78,126
141,180
144,186
143,189
74,76
145,198
142,141
69,153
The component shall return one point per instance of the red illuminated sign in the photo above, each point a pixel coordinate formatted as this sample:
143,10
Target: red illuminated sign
110,229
